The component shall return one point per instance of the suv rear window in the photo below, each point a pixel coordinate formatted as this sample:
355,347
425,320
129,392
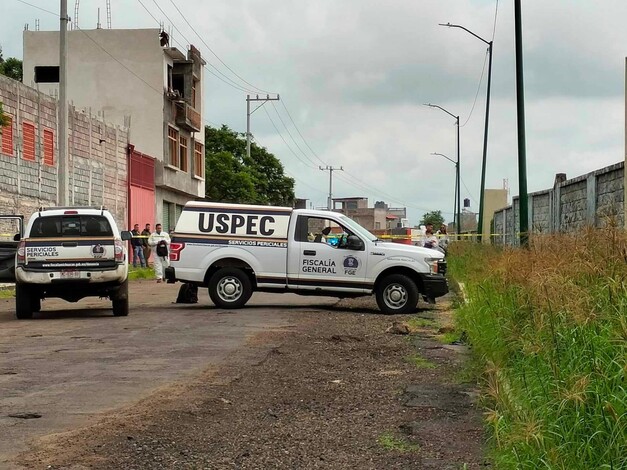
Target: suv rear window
71,226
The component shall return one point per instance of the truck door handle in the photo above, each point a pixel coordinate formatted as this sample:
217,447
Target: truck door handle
309,253
69,244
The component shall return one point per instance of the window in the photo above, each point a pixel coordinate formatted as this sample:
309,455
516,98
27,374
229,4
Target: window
7,137
71,226
194,84
173,144
183,155
199,163
28,141
319,230
48,147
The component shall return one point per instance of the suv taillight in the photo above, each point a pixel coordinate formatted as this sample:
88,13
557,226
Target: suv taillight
175,250
119,251
21,253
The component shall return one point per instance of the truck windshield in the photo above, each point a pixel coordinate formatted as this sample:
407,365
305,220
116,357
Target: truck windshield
358,229
71,226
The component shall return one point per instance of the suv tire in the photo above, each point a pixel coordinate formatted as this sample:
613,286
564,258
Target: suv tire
120,300
230,288
23,302
397,294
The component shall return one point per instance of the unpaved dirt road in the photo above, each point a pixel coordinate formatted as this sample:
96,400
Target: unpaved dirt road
76,361
290,382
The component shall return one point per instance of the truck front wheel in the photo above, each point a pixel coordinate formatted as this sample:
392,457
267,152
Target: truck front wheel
230,288
24,302
397,294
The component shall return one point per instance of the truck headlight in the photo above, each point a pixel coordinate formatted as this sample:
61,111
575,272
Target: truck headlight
433,265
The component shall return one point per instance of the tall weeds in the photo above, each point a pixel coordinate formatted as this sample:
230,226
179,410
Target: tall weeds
549,324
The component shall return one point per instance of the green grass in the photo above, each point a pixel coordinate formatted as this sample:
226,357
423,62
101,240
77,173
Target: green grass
449,338
548,326
421,323
391,442
7,293
420,362
140,273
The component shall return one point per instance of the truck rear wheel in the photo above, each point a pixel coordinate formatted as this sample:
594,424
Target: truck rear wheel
397,294
119,301
230,288
23,302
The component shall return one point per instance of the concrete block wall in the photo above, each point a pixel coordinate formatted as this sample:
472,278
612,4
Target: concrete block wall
97,163
594,199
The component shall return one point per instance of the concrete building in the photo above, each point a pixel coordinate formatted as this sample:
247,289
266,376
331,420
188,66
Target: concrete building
98,164
127,72
493,200
379,217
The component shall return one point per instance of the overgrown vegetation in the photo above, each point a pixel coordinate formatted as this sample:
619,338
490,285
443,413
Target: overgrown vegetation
549,325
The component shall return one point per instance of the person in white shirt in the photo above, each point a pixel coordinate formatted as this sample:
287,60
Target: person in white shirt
159,241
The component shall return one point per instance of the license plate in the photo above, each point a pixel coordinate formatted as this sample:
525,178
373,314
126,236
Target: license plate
70,274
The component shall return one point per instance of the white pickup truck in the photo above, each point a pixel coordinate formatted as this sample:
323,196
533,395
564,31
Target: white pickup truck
69,253
236,249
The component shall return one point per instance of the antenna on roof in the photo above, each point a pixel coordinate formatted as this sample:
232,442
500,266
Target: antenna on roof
98,26
108,14
37,25
75,22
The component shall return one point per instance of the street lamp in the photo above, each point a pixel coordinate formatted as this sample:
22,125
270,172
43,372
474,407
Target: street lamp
456,174
459,225
485,130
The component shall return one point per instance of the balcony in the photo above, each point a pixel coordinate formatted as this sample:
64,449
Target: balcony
187,117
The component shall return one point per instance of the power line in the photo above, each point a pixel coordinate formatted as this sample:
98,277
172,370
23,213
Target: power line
39,8
215,55
485,60
226,79
496,14
292,137
299,133
284,141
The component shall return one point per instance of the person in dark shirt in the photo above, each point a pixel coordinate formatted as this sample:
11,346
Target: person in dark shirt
147,250
138,248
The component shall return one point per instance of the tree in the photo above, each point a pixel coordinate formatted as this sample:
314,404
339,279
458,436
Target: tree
434,218
11,67
230,176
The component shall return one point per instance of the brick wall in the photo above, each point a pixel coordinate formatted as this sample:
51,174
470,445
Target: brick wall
595,199
97,163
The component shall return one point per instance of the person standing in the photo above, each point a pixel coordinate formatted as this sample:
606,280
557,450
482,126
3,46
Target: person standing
138,249
146,235
160,242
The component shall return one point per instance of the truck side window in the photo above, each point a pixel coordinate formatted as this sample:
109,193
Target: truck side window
327,231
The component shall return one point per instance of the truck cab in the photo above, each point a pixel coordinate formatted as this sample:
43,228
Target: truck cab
236,249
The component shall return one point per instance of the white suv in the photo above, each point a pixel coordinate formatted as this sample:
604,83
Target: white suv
71,253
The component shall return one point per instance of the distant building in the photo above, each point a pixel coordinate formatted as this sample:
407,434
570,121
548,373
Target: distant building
127,72
379,217
493,200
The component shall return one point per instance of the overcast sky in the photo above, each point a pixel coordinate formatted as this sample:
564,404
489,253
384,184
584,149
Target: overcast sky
355,73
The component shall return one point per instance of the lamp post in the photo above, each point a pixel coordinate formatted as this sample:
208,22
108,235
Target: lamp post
456,177
459,224
485,129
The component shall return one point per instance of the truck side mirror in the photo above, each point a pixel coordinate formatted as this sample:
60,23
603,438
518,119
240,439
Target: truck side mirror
353,242
126,235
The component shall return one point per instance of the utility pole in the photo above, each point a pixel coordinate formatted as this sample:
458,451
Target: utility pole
63,120
330,169
459,209
522,149
485,128
249,113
